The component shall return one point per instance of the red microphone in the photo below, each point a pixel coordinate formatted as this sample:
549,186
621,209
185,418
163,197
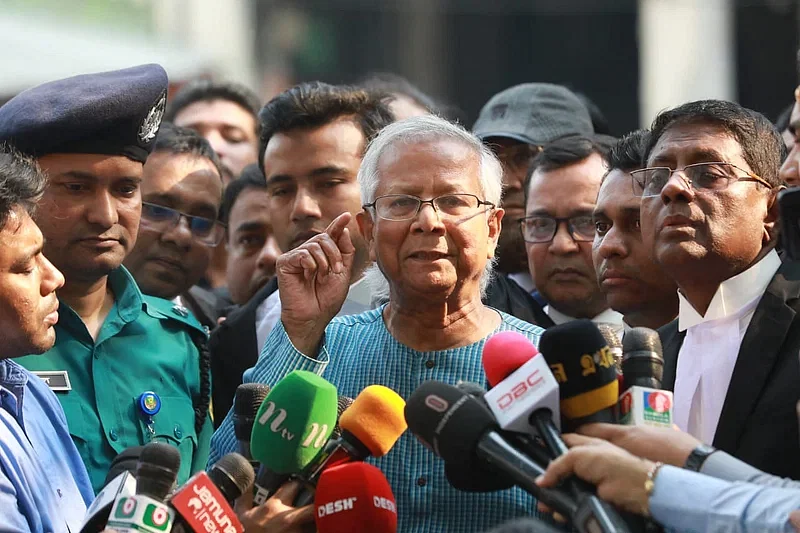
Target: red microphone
202,506
504,353
354,497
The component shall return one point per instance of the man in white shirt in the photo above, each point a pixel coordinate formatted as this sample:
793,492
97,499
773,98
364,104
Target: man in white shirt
560,195
313,137
709,214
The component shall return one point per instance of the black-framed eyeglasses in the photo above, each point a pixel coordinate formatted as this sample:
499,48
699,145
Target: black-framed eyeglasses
159,218
543,228
713,176
405,206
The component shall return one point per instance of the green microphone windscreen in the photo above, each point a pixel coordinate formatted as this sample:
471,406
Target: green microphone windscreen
294,422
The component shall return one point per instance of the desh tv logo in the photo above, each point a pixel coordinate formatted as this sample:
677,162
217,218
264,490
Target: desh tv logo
656,407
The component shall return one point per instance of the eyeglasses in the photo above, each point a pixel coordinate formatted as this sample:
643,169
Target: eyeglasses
714,176
543,228
405,207
159,218
517,156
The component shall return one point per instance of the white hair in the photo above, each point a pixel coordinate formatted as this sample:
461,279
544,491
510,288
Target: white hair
427,128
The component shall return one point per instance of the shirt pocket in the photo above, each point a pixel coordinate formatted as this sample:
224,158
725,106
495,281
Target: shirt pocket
84,428
174,425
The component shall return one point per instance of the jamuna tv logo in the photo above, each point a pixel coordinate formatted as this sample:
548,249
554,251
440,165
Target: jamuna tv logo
656,406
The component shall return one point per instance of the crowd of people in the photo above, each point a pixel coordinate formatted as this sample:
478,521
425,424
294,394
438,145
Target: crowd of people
155,255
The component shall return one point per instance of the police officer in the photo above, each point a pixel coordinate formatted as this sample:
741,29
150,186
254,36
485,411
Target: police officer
124,365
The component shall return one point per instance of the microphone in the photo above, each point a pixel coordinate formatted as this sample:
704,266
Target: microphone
458,428
643,403
613,343
293,423
584,367
525,396
156,474
123,484
342,404
248,398
354,497
204,502
369,428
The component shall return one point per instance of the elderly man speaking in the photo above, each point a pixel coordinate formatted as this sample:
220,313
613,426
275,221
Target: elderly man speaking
431,219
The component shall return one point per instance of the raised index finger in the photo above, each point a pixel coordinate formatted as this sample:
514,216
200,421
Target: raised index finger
336,227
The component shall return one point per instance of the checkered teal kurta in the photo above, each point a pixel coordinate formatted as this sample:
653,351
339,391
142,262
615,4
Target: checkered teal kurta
359,351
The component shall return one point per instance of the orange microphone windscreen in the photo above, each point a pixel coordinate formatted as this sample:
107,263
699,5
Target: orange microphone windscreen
376,419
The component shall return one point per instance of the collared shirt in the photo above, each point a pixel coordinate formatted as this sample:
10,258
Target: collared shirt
44,486
609,316
359,351
708,354
143,345
523,279
684,501
269,312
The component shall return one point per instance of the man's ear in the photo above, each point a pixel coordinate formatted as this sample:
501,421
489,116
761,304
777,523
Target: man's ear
772,220
495,223
366,226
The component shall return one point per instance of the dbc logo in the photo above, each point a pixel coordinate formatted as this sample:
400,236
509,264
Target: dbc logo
520,389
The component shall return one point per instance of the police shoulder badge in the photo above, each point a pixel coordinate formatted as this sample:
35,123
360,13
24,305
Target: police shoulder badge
151,123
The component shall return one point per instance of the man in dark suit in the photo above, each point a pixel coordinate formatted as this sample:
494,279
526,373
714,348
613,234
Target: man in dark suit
709,212
313,137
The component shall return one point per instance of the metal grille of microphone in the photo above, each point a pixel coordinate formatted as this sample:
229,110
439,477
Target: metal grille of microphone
233,475
249,397
157,470
341,406
642,360
612,339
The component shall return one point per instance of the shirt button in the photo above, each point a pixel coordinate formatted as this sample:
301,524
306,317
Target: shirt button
430,363
113,435
421,481
178,432
96,354
60,495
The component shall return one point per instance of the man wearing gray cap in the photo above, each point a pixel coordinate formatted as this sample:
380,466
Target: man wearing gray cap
516,123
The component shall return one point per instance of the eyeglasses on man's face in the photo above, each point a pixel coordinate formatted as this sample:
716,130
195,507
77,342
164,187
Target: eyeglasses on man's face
713,176
405,206
207,231
543,228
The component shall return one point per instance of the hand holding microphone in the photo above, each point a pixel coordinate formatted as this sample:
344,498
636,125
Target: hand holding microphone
619,476
277,514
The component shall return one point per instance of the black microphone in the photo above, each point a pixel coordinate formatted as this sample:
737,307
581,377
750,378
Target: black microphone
156,474
584,367
458,428
342,403
248,399
642,362
119,482
233,475
643,402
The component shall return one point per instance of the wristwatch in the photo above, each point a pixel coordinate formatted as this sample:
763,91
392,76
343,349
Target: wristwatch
698,456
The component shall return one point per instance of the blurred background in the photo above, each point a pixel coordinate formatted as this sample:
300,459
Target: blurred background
631,57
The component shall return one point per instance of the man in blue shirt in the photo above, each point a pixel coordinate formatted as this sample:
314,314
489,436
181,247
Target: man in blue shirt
44,486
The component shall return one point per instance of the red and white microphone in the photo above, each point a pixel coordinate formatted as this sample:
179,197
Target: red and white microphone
520,378
356,498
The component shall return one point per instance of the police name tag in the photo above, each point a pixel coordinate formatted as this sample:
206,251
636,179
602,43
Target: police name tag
57,380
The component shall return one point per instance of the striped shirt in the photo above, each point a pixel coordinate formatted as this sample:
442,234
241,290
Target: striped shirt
358,351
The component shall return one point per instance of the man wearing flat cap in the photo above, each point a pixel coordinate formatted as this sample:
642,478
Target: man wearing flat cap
516,124
127,368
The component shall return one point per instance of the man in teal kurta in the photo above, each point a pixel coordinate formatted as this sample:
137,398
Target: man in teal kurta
127,368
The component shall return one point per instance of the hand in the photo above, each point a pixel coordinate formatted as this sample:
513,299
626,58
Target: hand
794,520
669,446
313,280
619,476
276,515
